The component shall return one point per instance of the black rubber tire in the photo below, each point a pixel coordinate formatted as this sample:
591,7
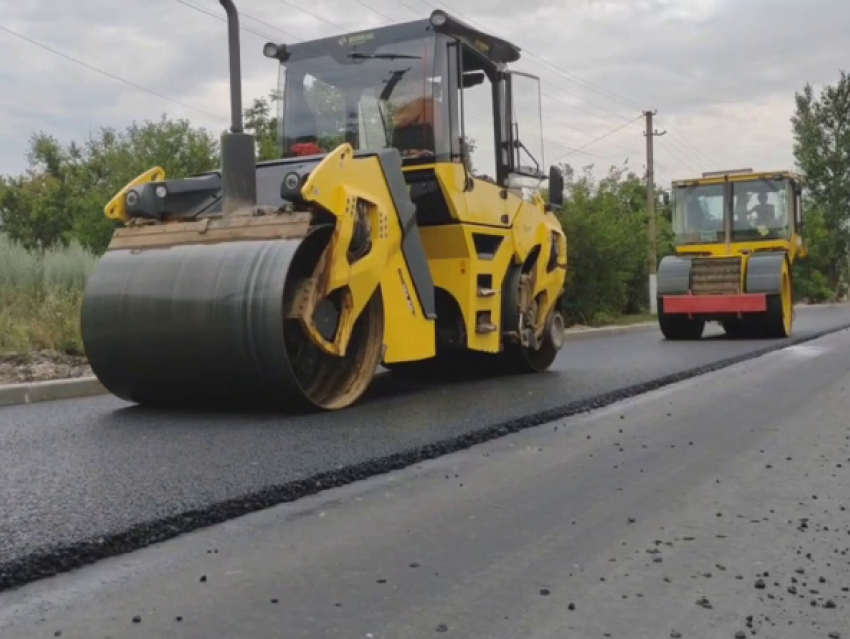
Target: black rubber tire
517,358
679,327
738,329
733,328
772,324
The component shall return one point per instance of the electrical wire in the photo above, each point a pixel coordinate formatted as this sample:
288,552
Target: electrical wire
108,74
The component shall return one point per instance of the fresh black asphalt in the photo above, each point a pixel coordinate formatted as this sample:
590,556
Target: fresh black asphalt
85,479
716,508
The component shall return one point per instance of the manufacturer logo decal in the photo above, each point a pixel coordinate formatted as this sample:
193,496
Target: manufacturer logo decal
357,38
406,293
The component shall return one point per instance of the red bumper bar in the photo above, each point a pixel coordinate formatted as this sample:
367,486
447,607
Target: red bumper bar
698,304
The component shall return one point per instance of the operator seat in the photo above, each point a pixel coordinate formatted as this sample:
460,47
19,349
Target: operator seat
413,128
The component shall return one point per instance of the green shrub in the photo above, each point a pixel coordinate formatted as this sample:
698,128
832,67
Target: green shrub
40,296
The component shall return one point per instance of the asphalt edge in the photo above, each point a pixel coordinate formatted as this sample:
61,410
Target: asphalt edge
88,386
74,388
52,561
68,388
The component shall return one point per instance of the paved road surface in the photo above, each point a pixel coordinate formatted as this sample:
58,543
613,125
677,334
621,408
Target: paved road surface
708,508
117,477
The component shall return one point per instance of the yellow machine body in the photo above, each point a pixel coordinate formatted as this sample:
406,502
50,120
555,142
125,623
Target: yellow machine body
294,281
738,233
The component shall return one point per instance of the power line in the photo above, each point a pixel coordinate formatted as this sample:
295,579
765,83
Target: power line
374,10
566,74
570,77
109,75
311,14
242,14
338,26
572,150
694,146
679,156
602,137
219,17
545,94
560,71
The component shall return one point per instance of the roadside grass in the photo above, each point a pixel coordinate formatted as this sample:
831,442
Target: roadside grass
40,296
603,319
41,293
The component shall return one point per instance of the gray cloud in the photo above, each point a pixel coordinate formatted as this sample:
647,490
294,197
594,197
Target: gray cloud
721,73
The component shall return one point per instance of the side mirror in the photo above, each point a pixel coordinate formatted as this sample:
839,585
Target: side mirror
556,187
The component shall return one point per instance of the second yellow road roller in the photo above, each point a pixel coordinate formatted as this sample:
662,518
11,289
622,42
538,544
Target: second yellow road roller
372,240
738,234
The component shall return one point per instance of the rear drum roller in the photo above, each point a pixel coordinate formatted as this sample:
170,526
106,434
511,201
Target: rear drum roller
205,325
779,319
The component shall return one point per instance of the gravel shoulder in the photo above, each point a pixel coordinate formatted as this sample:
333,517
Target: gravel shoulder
41,366
715,507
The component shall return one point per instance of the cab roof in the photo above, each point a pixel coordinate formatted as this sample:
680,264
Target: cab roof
495,50
718,177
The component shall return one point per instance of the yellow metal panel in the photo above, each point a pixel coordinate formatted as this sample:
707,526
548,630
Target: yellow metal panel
450,254
336,184
743,248
450,178
455,266
408,334
497,268
482,204
116,209
485,205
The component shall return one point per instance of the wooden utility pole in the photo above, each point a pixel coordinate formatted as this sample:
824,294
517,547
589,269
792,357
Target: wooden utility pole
650,133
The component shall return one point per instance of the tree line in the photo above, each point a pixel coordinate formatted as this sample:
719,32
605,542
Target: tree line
59,199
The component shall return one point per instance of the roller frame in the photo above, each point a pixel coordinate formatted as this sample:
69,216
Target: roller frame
248,242
762,283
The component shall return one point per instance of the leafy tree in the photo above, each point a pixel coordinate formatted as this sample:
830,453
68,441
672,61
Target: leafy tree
468,147
810,280
262,123
62,193
821,128
33,205
606,225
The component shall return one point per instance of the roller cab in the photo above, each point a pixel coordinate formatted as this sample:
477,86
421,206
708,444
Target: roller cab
737,235
370,241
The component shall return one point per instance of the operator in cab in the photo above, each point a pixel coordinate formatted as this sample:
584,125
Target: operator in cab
417,118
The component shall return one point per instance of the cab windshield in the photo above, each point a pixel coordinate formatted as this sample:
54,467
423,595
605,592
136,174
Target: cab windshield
389,95
698,213
759,210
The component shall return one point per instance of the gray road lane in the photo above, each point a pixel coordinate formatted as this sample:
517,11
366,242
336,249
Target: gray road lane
89,469
709,508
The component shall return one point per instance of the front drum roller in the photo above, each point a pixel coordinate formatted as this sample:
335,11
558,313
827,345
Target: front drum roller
205,325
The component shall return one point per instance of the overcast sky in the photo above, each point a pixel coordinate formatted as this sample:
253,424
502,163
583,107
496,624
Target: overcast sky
721,73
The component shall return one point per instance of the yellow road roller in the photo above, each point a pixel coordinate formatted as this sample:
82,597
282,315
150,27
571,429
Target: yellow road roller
737,234
371,240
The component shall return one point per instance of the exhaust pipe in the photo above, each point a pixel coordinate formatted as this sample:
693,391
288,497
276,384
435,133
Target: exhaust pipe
238,159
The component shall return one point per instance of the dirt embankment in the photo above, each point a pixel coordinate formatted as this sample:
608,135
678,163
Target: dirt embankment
17,368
